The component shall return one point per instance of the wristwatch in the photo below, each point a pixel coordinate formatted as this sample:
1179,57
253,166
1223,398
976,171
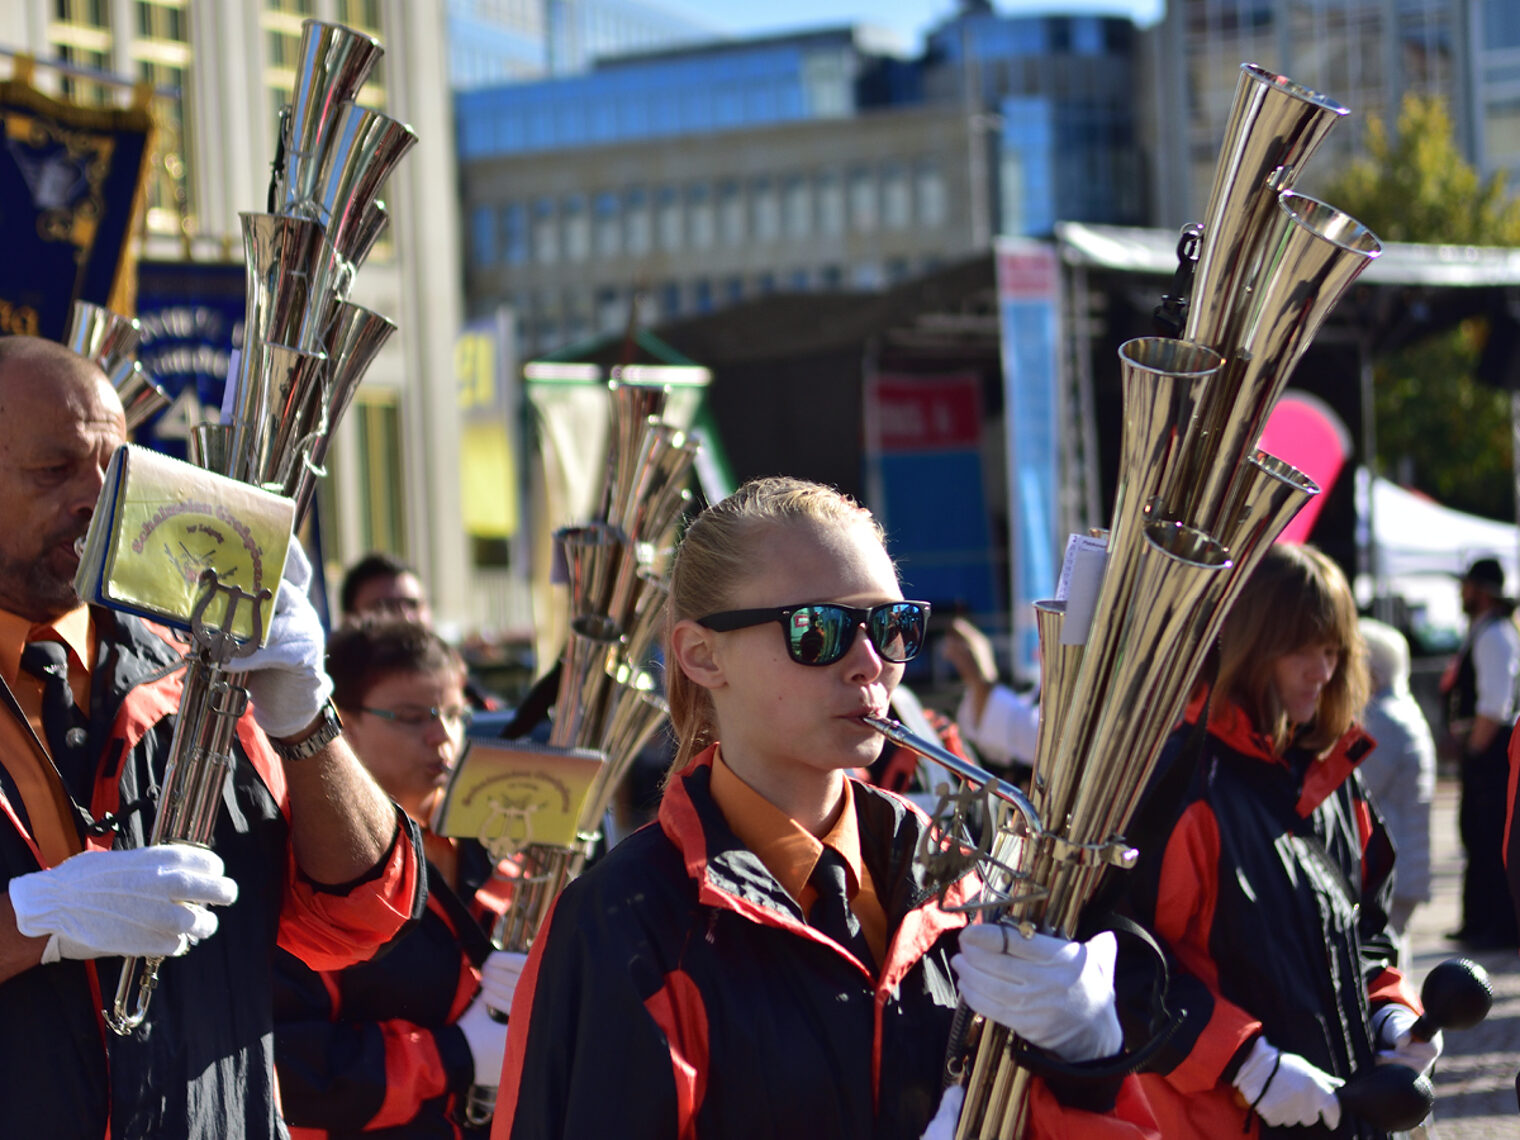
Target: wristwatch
328,727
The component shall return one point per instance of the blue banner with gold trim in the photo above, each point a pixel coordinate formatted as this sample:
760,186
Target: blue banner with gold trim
71,181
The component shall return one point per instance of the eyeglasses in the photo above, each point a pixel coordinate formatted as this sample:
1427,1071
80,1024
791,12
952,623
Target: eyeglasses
418,716
820,633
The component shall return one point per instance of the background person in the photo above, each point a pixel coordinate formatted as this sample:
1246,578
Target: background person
766,960
1400,772
1479,692
389,1048
308,852
1001,724
1269,882
381,585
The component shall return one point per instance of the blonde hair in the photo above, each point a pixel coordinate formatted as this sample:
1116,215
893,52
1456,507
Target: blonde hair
1296,598
720,549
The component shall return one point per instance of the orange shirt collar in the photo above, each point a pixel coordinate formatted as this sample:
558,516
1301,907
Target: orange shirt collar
74,629
785,847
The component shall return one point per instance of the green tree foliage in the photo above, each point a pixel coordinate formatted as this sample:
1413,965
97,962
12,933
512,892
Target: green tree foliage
1438,428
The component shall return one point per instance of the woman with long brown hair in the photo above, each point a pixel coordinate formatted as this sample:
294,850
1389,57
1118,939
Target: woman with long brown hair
1269,879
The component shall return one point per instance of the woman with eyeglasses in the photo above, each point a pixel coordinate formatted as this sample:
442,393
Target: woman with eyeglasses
766,960
1270,876
390,1047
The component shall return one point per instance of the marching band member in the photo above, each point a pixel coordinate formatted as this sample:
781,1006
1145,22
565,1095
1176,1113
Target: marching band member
391,1047
308,850
765,960
1270,878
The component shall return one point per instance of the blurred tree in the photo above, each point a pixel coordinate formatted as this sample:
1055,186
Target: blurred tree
1439,428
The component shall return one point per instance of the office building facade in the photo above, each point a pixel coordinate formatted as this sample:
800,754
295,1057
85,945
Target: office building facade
697,178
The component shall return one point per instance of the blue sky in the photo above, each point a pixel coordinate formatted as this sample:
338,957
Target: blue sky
907,18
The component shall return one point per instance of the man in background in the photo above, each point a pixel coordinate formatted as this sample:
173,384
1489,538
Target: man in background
1479,693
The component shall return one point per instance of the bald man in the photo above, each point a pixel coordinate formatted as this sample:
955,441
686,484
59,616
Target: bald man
307,851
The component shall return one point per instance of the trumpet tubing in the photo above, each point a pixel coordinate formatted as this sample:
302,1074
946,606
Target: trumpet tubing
1196,507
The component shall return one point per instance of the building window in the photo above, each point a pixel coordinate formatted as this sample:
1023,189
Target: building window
797,209
931,194
765,284
668,215
766,211
831,278
797,280
636,222
702,295
867,275
895,207
731,214
700,206
610,315
863,199
830,205
514,233
609,232
670,300
577,228
483,235
545,232
733,290
377,428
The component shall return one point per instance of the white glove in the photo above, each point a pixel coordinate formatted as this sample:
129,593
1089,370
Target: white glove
1286,1089
498,979
942,1127
1056,994
149,902
1391,1026
487,1039
286,679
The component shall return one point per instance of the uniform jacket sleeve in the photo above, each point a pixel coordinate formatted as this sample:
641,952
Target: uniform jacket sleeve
1130,1119
1184,893
349,1076
596,1050
329,927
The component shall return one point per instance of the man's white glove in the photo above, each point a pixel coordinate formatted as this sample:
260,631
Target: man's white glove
499,977
1287,1090
942,1127
286,679
1390,1026
149,902
1053,993
487,1039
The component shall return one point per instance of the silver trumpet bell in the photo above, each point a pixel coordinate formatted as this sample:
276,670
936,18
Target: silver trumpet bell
333,64
111,341
363,149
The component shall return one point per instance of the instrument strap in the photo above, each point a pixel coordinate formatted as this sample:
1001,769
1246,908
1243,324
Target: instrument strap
1163,1023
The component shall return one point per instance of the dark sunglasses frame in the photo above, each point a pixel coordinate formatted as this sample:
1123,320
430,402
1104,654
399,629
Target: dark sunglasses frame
873,618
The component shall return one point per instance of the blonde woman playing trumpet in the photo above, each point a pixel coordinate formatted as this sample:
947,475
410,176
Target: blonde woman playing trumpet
704,979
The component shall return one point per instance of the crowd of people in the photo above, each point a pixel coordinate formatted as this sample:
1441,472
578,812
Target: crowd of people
769,956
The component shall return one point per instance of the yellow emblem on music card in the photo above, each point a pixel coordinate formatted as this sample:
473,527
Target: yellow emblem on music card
510,794
161,524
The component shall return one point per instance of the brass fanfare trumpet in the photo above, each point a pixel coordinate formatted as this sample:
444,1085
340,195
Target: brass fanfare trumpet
1196,507
305,349
608,701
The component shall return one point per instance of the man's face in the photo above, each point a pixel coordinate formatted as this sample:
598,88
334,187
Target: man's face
59,426
400,597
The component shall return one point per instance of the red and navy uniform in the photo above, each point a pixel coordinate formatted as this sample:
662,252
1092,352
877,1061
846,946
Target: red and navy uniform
677,991
1269,888
202,1065
372,1050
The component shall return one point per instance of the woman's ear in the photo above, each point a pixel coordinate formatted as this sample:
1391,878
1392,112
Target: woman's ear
694,648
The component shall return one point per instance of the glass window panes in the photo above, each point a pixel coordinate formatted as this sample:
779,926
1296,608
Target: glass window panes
830,204
636,222
609,225
731,214
545,232
863,199
577,228
797,199
765,209
895,205
700,210
668,219
931,194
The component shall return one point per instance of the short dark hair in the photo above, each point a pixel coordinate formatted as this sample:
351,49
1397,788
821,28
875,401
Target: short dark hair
373,566
363,653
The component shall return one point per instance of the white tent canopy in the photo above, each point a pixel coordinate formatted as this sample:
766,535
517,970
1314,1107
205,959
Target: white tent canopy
1417,535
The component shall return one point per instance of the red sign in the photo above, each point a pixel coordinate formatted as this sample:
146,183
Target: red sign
929,412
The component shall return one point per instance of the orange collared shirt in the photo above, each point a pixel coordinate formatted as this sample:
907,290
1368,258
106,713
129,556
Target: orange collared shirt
47,805
789,852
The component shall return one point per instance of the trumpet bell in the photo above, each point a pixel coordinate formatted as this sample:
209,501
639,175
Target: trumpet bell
142,397
107,338
333,63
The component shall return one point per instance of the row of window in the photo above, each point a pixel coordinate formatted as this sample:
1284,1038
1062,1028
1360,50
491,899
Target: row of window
634,221
547,320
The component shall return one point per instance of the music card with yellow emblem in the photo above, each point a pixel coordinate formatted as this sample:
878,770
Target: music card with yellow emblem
511,793
161,523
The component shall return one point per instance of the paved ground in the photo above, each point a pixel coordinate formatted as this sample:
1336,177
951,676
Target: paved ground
1475,1079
